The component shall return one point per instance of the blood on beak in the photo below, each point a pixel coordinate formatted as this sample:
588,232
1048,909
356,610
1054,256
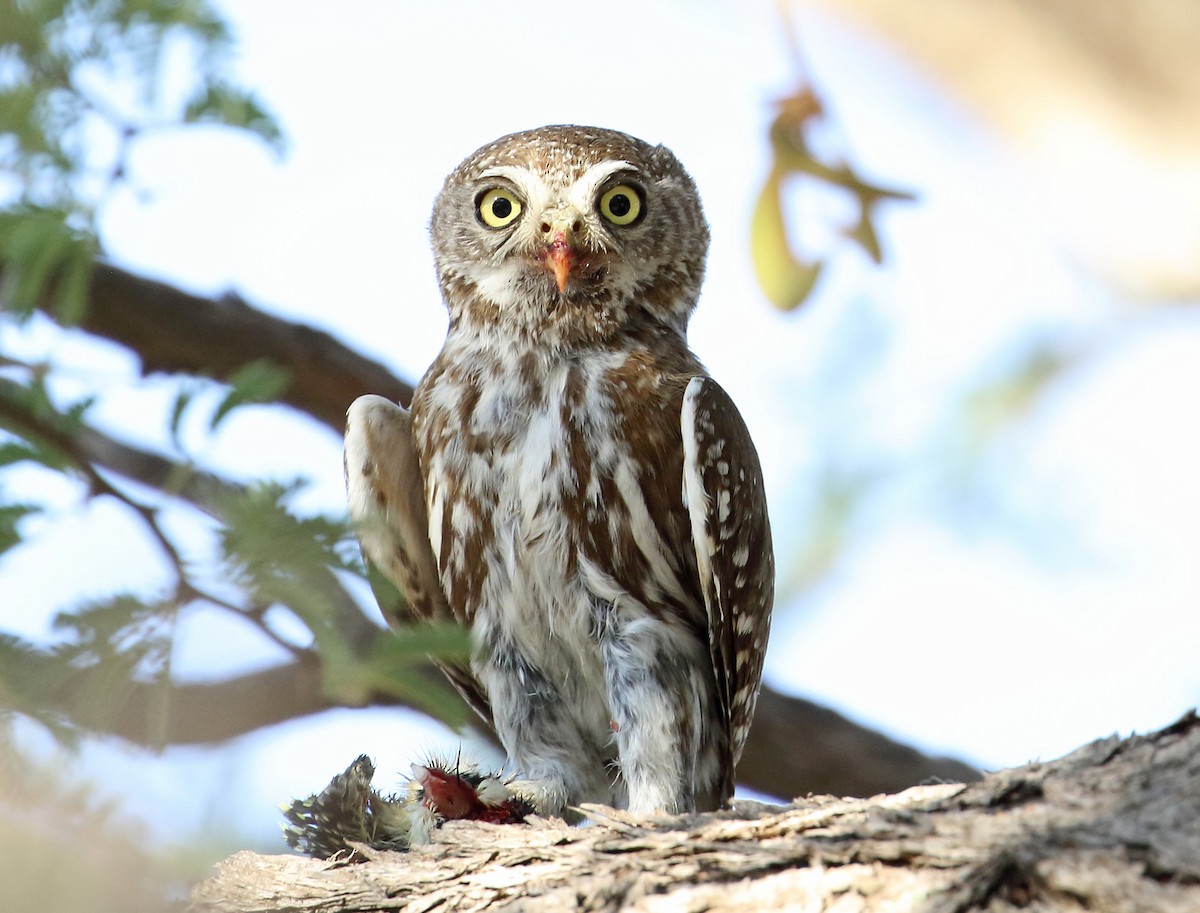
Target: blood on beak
561,258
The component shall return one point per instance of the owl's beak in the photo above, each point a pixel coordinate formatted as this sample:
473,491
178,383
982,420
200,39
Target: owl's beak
561,254
560,259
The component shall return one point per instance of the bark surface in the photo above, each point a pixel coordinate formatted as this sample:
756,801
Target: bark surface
1114,826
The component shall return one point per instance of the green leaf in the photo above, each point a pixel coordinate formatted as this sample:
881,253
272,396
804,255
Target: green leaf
12,452
23,29
197,17
224,104
27,675
183,399
61,61
10,516
32,397
124,625
445,640
18,104
73,415
284,559
42,254
391,600
74,282
399,664
117,642
260,381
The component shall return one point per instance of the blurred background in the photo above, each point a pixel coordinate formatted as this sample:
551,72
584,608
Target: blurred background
953,288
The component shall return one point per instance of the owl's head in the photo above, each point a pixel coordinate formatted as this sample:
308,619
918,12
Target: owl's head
571,231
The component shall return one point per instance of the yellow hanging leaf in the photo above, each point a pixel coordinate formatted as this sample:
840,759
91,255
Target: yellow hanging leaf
785,279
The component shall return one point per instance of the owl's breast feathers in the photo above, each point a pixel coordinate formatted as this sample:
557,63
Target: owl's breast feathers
573,464
621,474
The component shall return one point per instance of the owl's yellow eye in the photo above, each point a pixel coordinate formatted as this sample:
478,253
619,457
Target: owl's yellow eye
621,205
498,207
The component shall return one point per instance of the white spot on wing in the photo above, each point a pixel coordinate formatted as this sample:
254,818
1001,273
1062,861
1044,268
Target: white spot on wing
723,510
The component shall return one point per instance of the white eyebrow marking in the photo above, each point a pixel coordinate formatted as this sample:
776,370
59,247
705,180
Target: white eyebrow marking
527,181
582,193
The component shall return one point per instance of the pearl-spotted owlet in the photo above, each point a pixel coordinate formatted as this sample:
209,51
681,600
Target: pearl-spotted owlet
571,484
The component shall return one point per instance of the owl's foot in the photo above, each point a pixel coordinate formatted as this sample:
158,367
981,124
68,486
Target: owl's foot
547,798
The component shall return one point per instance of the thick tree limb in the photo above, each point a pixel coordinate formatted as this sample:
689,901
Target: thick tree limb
173,331
155,714
797,747
1114,826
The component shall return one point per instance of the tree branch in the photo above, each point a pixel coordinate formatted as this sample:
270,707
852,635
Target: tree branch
88,448
155,714
797,747
202,489
85,444
173,331
1112,826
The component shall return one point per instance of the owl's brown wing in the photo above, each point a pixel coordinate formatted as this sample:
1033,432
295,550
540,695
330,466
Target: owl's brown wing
387,506
723,493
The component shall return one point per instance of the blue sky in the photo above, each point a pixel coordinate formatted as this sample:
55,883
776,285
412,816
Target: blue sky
1043,599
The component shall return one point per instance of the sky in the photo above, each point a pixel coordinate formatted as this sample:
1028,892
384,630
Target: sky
1001,610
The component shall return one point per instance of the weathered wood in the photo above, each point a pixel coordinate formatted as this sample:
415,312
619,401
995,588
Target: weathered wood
1114,826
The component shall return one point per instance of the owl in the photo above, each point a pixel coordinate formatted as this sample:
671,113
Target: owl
571,484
